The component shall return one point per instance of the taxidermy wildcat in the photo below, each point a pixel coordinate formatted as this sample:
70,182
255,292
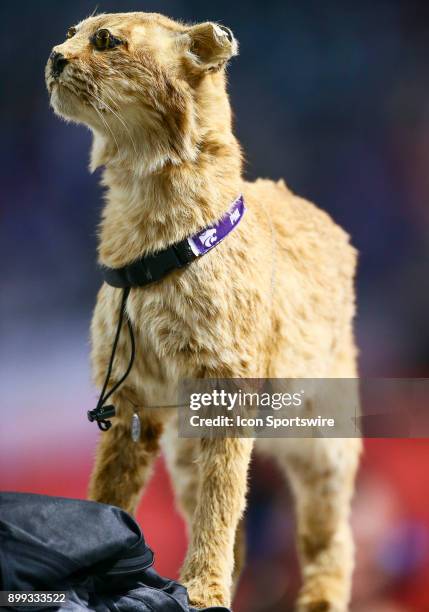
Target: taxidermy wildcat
274,299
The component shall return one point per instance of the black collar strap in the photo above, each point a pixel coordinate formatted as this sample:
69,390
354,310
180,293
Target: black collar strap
156,266
151,268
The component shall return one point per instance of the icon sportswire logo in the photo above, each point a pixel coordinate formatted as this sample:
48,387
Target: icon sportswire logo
208,238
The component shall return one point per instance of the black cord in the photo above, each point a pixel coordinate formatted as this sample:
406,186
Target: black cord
101,412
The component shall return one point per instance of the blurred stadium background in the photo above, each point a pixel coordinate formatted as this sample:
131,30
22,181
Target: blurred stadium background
332,96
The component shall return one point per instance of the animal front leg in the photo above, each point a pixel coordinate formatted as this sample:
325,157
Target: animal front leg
123,467
209,564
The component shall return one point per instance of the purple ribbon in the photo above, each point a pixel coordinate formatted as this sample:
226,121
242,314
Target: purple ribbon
211,236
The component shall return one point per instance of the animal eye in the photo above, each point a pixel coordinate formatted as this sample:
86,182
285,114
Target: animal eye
71,32
103,39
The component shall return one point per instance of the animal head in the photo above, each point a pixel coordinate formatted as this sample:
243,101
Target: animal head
145,85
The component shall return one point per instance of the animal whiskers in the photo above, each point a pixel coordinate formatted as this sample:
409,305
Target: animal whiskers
105,104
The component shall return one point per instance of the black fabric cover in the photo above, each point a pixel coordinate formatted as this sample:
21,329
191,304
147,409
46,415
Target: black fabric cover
93,551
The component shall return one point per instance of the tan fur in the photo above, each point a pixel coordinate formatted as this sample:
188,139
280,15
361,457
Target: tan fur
275,299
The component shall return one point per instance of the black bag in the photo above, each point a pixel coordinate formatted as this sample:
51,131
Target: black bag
93,551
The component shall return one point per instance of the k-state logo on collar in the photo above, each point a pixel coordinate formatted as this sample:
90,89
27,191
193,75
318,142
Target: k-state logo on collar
209,237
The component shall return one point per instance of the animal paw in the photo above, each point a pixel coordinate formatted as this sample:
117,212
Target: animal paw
206,594
320,605
320,599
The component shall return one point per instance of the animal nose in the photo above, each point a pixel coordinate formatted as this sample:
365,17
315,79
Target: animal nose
58,62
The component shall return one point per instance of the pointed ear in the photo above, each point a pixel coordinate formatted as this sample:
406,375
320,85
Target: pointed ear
210,45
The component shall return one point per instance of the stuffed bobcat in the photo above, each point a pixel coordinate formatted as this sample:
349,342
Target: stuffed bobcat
275,299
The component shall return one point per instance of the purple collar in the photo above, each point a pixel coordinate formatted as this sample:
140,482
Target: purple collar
211,236
152,268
